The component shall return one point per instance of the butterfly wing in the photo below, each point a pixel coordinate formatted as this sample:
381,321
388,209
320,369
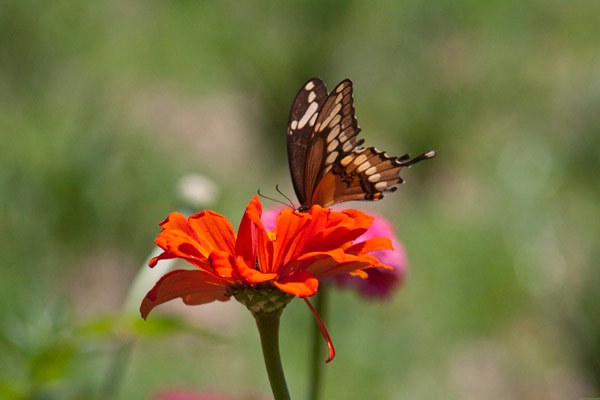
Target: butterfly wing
303,116
327,164
334,135
363,174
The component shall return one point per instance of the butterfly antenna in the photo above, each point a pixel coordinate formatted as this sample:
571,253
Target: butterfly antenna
406,161
272,199
291,203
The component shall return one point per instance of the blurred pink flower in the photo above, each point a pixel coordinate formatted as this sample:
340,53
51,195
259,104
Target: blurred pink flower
183,394
380,283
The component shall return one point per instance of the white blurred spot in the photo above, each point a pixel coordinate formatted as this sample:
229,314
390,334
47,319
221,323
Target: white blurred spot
197,190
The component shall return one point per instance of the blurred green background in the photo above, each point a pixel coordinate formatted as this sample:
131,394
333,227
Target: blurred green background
105,105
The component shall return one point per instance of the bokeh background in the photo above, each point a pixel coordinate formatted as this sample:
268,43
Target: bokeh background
104,106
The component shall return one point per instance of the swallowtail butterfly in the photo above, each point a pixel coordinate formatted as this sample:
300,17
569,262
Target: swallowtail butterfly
327,163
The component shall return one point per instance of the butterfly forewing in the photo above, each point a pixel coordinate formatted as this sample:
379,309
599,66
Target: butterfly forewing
336,124
334,134
303,116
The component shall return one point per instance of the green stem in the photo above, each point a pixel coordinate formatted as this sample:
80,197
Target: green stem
116,371
316,357
268,328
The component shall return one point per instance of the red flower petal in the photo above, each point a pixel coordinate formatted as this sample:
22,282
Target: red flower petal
194,238
252,275
301,284
213,231
253,243
222,264
371,245
332,230
291,236
323,331
194,287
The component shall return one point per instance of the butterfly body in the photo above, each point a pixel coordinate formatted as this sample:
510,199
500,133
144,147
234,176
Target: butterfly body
326,160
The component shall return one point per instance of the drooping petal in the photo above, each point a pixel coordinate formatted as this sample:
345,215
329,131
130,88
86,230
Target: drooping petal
193,287
323,331
166,255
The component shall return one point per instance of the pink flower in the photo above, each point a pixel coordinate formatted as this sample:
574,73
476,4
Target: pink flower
182,394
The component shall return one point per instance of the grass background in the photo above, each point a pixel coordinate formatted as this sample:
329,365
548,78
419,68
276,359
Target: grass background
105,105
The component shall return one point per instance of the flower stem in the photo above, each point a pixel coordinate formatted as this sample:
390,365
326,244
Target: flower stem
116,372
268,328
316,357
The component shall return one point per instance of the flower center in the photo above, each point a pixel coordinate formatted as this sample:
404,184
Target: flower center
263,298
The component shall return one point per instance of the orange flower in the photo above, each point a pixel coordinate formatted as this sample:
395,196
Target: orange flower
290,260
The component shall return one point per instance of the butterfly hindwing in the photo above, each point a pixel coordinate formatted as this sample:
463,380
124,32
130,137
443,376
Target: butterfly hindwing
364,174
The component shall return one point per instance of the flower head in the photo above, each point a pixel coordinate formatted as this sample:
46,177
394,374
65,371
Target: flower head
275,265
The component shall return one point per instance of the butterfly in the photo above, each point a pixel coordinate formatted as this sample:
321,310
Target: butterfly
326,160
